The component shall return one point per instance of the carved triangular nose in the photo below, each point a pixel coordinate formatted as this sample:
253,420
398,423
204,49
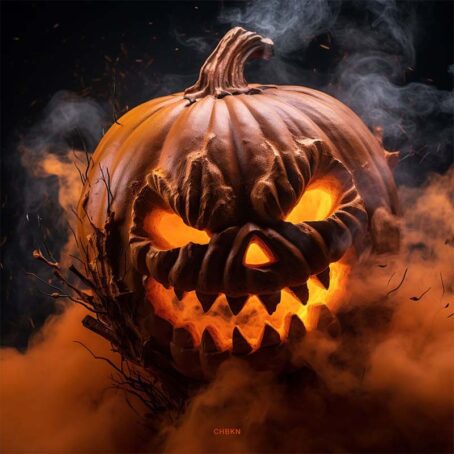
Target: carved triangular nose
258,254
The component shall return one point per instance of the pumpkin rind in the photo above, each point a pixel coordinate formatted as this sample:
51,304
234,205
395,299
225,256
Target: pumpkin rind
233,159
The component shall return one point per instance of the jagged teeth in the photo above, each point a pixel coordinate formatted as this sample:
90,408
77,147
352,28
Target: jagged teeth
208,342
237,303
240,345
297,330
178,293
301,292
206,300
182,337
323,278
270,301
270,337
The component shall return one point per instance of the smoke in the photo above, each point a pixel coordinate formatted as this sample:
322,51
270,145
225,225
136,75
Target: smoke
291,24
373,47
195,43
57,398
70,127
416,118
384,386
47,187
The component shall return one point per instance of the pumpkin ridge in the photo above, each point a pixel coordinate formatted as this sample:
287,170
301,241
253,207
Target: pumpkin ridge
233,167
286,148
221,139
147,116
306,126
237,151
121,172
349,133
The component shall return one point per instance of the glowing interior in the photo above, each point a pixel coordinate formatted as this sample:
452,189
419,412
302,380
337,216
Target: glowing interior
168,230
318,202
258,254
251,320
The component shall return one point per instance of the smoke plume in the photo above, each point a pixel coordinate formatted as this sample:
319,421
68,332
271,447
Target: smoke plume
373,53
57,398
384,385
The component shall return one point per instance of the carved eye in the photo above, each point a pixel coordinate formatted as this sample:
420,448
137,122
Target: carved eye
318,202
168,231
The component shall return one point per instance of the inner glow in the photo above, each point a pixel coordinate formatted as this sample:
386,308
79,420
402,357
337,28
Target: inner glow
317,203
258,254
168,231
251,320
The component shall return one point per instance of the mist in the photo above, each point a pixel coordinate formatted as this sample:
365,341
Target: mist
384,385
375,54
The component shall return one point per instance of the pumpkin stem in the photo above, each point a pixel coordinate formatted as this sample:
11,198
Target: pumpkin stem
222,72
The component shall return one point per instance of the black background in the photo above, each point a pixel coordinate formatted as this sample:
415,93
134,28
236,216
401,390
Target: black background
52,46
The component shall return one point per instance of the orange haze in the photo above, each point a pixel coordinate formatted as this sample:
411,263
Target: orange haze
384,386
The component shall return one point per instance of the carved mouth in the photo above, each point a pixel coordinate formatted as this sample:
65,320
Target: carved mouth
243,324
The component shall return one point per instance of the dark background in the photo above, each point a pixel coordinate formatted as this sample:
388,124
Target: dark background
121,54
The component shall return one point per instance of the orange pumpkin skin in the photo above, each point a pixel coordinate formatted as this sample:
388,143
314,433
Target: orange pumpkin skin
233,159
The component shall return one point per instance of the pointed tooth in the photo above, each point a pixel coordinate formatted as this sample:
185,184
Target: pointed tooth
208,342
240,345
178,293
297,330
301,292
183,338
237,303
270,301
206,300
270,337
323,278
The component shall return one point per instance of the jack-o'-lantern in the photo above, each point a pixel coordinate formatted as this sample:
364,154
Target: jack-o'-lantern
234,211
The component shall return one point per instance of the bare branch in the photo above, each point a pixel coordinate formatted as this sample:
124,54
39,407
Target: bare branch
400,283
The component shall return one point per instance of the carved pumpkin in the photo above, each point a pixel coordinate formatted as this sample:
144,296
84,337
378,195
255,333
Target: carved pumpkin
233,210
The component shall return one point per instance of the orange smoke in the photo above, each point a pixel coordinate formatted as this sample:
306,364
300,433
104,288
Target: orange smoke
65,168
385,385
56,397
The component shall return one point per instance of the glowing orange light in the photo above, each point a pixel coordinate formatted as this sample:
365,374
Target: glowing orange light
167,230
317,203
252,318
258,254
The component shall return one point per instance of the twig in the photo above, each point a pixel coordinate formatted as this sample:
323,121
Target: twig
38,255
44,282
103,358
43,239
400,283
389,280
417,298
106,182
